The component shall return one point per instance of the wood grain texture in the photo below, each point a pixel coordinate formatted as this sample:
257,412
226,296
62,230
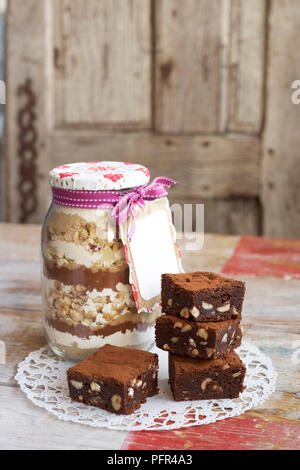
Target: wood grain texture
37,430
223,435
217,249
235,216
189,64
28,52
102,59
210,65
213,166
246,65
270,320
232,216
281,139
266,257
97,65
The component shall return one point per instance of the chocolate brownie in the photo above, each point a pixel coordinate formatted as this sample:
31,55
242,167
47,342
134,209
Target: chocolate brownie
202,296
114,379
194,379
195,339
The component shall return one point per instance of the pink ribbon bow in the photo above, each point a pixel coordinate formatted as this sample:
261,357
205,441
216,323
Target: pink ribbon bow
123,203
125,206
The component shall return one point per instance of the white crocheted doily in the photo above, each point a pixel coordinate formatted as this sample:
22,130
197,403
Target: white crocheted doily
42,377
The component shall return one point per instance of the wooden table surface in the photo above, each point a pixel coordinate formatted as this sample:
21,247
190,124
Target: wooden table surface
271,320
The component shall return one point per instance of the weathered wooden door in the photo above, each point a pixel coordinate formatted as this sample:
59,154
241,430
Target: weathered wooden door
178,86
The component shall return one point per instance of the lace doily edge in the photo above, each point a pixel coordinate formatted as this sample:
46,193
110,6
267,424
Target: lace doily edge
163,427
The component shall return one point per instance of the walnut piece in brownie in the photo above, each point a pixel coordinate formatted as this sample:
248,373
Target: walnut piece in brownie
194,379
202,296
195,339
115,379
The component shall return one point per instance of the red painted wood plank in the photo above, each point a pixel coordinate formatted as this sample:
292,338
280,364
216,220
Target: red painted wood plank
242,433
265,257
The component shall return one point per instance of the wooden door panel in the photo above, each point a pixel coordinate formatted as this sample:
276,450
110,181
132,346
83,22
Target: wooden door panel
210,65
247,57
281,139
28,110
189,65
102,53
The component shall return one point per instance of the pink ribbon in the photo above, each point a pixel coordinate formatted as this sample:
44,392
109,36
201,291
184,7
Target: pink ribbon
122,203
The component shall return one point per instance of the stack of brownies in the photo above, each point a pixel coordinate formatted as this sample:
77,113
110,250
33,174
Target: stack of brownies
200,328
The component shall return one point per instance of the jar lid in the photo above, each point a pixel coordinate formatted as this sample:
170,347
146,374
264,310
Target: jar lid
97,176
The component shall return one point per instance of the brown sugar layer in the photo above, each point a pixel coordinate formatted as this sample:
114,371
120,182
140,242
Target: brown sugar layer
115,379
195,339
193,379
75,228
202,296
91,280
83,331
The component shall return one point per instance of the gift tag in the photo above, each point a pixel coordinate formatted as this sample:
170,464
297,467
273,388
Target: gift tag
151,252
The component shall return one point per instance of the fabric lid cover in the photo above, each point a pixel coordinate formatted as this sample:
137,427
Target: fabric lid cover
97,176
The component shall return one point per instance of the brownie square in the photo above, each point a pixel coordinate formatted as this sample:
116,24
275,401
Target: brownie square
193,379
202,296
195,339
115,379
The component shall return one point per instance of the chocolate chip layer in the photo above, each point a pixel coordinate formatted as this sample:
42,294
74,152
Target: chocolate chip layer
195,339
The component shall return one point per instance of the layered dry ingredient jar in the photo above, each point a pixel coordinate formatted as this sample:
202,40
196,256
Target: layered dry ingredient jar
87,297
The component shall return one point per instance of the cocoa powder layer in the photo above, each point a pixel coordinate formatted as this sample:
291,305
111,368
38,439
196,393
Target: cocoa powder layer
202,296
85,277
115,364
201,281
82,331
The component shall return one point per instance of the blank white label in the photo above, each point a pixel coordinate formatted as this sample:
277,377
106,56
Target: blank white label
153,252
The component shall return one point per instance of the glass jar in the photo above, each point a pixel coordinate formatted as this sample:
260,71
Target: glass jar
87,297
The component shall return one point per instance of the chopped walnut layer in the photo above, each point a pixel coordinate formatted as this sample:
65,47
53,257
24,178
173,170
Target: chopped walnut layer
76,305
